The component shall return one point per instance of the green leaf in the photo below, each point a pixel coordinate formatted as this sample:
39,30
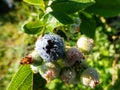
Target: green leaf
62,17
83,1
22,79
106,8
36,2
41,14
38,82
33,27
48,18
88,25
72,6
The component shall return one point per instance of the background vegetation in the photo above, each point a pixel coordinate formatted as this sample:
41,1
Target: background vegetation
103,25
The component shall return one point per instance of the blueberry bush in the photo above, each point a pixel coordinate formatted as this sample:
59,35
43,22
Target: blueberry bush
74,44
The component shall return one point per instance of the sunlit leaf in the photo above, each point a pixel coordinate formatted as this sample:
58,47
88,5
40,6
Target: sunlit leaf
36,2
33,27
51,22
22,79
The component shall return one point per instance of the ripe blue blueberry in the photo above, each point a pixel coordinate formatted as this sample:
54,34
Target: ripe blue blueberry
50,47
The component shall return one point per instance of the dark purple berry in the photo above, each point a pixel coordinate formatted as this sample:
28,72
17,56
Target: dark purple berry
73,55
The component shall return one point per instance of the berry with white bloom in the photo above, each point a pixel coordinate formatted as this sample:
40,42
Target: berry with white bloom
68,75
72,55
49,71
50,47
36,59
90,77
85,44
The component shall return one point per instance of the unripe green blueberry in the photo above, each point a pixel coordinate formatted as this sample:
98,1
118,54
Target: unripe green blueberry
34,68
75,27
36,59
77,21
90,77
68,75
85,44
49,71
72,55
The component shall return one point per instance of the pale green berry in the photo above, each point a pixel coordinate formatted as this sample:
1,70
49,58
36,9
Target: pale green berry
77,21
36,59
34,68
90,77
85,44
75,27
49,71
68,75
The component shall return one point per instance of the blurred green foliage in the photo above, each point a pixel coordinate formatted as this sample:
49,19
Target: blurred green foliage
15,44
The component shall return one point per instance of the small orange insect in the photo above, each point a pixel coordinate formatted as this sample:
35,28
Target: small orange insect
26,60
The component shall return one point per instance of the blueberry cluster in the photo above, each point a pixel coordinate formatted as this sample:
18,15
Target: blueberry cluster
52,60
